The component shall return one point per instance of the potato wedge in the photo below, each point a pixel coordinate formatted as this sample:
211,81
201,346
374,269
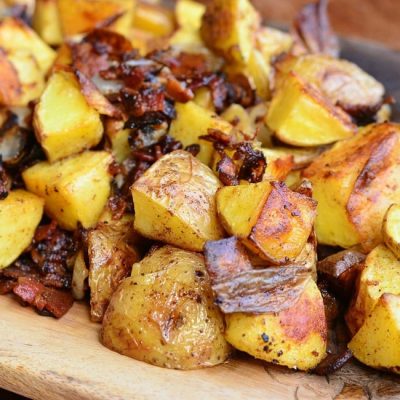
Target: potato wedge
64,122
341,81
193,121
20,214
229,27
22,79
271,220
175,202
75,189
354,183
381,274
46,22
164,314
391,229
16,36
111,257
300,116
296,337
80,16
377,342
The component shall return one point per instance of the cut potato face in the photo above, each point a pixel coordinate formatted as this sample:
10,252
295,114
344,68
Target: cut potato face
64,122
151,18
164,314
271,220
20,214
46,22
354,183
296,337
377,342
174,202
189,14
17,36
228,28
75,189
300,116
272,42
381,274
391,229
78,125
193,121
80,16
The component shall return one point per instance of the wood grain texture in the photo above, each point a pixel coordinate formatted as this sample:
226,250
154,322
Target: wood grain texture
377,20
46,359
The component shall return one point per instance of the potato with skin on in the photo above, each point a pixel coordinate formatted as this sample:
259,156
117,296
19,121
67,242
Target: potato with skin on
20,214
165,315
228,28
300,115
271,220
193,121
64,123
391,229
381,274
22,80
75,189
111,256
46,22
174,202
295,337
81,16
16,36
354,183
376,344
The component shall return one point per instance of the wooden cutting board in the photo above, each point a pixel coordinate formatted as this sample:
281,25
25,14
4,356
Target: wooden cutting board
46,359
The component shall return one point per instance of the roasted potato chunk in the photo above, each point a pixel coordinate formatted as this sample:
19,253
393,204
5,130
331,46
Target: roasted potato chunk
111,257
381,274
299,115
189,14
64,122
391,229
16,36
342,82
80,16
157,20
79,277
193,121
295,337
354,183
377,342
271,220
229,27
20,214
175,202
164,314
272,42
75,189
46,22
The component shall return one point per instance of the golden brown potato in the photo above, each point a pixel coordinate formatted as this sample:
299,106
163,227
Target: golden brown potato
188,14
381,274
229,27
193,121
79,16
342,82
300,116
79,277
46,22
16,36
164,314
65,124
354,183
271,220
175,202
295,337
111,257
377,342
153,18
75,189
20,214
391,229
272,42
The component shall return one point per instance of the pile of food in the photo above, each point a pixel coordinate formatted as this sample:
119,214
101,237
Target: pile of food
206,182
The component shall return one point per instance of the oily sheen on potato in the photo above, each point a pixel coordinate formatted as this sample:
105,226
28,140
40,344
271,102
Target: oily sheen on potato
164,314
175,202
